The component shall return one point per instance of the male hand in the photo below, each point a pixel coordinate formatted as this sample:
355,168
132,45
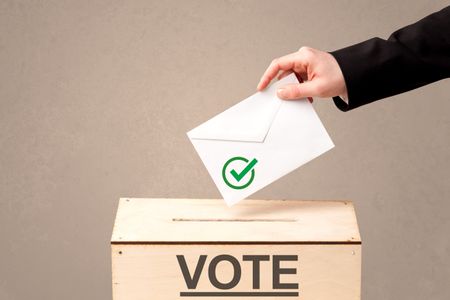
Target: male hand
320,71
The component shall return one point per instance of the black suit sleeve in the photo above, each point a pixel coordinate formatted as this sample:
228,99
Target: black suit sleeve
413,56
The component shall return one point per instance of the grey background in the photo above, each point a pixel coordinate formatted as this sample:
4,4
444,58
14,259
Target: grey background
96,97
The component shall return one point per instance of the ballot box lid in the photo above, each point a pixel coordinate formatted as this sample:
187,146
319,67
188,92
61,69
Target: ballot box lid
211,221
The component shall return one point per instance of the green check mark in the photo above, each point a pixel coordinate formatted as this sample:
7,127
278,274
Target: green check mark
244,172
249,169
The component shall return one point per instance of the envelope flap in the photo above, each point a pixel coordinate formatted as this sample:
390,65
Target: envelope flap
247,121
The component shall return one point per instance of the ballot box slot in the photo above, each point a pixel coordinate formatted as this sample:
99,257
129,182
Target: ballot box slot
230,220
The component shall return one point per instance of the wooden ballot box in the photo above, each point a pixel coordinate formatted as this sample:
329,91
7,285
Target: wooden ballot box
257,249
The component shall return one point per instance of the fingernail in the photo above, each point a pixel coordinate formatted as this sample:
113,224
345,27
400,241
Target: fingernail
259,85
282,93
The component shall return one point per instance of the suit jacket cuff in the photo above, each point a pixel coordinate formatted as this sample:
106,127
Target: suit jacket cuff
355,68
341,103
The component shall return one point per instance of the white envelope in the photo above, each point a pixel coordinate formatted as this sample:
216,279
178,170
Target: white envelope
259,140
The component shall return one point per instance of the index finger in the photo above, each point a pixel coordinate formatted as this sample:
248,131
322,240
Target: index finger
285,63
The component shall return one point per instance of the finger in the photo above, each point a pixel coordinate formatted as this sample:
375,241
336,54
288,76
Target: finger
284,74
284,63
302,78
297,91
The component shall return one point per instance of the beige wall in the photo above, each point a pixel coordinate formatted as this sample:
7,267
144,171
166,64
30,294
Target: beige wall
96,97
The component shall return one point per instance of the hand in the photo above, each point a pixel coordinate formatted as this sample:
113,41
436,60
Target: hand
320,71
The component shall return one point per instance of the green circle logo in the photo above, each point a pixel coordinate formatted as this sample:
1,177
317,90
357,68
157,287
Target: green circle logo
240,173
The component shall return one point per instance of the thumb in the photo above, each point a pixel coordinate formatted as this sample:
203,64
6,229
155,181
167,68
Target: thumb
295,91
